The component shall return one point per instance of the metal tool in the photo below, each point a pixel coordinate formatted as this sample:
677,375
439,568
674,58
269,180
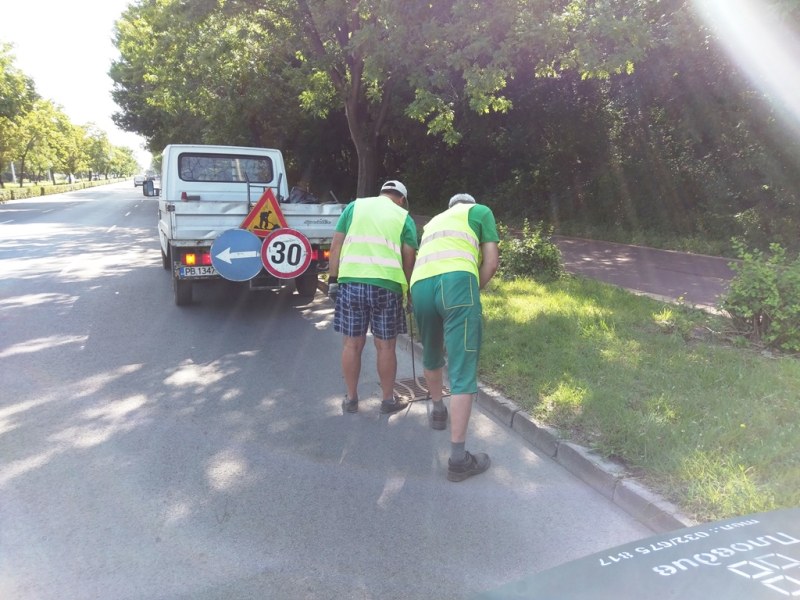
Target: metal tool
416,388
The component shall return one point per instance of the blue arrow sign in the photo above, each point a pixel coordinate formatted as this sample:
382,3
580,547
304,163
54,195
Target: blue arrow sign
236,254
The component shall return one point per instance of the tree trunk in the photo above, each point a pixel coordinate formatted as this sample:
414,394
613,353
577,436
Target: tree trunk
367,152
364,133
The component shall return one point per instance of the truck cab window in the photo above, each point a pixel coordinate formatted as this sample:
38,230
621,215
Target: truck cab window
225,168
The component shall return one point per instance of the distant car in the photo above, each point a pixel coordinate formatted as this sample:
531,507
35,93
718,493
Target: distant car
138,180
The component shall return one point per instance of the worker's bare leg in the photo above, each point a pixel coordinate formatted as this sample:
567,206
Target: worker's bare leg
351,363
460,411
387,365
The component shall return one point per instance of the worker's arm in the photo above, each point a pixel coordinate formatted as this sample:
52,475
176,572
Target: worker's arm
490,253
409,254
336,248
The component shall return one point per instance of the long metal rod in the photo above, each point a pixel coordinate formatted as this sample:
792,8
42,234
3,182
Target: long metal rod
411,334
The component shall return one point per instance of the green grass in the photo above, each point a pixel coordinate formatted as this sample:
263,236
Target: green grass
713,427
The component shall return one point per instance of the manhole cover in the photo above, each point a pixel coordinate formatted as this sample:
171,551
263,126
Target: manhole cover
415,389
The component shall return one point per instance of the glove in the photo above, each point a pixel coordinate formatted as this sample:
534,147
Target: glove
333,291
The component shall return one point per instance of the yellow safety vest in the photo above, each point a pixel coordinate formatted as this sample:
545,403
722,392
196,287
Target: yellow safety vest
448,244
371,248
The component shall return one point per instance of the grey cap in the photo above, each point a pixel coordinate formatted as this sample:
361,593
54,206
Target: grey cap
395,186
461,199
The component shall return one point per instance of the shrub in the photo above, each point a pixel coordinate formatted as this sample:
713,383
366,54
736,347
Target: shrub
529,254
764,297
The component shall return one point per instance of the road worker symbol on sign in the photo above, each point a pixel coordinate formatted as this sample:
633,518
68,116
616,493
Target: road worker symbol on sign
267,224
265,217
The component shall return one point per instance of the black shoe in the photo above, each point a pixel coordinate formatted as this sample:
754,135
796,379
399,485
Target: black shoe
350,406
389,407
438,420
474,465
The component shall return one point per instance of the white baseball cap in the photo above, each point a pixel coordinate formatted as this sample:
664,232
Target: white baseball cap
395,186
461,199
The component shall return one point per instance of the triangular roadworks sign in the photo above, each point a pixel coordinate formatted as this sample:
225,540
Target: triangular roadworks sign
266,215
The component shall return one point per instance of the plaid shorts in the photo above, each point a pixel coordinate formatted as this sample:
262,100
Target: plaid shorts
360,306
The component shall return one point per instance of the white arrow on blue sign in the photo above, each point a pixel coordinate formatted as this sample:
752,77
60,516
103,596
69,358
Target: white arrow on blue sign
236,254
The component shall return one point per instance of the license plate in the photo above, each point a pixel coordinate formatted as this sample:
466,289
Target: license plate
203,271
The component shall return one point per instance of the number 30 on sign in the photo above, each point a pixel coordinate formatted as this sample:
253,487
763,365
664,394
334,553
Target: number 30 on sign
286,253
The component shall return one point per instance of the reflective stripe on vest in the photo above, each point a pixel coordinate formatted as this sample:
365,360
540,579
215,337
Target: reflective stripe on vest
371,239
448,244
372,248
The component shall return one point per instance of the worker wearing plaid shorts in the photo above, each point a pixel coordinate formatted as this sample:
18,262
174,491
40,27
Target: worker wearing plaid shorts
372,256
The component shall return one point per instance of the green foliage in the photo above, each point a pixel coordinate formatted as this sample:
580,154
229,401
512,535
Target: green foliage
764,297
33,191
38,136
624,116
253,68
530,254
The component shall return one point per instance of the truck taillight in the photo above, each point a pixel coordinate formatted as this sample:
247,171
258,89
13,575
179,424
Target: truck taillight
192,259
320,254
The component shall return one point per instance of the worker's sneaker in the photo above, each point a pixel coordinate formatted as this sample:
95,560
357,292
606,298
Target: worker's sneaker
350,405
438,420
392,406
474,465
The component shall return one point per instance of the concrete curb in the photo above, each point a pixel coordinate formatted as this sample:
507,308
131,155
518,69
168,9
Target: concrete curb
607,477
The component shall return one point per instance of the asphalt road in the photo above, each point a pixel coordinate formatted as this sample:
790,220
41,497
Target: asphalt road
151,451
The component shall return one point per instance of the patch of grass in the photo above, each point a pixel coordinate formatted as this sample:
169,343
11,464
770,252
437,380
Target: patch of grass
713,426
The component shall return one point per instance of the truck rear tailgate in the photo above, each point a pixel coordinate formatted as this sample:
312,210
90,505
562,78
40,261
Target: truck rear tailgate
206,220
316,221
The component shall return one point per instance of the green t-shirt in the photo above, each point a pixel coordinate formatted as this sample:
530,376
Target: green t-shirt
409,237
481,220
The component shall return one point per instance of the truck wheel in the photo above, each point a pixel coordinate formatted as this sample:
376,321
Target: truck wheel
183,291
165,261
306,284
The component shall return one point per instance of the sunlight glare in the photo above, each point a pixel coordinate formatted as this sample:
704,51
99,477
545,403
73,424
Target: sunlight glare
226,470
765,49
393,485
190,374
43,343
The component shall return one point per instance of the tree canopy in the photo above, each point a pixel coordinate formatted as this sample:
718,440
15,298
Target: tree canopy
185,69
39,137
626,114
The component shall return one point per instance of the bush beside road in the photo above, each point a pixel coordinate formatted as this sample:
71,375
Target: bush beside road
14,192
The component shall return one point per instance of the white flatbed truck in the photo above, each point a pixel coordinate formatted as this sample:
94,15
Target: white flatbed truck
206,190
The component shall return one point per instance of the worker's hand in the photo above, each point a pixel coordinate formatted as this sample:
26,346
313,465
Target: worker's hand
333,291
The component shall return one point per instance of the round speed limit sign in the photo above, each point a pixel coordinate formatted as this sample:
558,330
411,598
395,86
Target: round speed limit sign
286,253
